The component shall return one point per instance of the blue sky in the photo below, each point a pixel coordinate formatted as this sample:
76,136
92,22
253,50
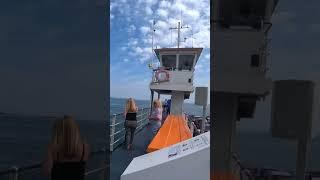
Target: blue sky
130,40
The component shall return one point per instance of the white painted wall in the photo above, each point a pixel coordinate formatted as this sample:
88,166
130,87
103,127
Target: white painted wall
232,62
178,81
188,164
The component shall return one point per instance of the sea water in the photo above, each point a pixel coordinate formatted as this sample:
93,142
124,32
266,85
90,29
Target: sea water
24,139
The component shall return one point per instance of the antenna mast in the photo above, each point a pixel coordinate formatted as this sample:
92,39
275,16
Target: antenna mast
179,28
153,31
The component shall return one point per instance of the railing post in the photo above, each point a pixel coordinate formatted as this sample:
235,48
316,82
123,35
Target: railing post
142,117
102,173
145,116
192,128
112,131
15,173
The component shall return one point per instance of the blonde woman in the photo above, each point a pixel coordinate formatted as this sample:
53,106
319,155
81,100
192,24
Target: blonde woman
130,114
155,118
67,153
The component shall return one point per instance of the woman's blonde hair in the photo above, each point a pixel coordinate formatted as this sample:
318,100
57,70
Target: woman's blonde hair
66,136
157,103
131,105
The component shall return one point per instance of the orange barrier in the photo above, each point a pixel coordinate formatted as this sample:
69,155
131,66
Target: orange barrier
173,131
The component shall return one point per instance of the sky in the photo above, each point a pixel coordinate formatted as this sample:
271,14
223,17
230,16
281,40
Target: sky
295,51
131,24
53,58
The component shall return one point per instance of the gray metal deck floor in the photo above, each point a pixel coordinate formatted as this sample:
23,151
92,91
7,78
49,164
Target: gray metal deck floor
121,157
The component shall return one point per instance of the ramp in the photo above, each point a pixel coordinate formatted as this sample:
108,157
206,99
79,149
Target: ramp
173,131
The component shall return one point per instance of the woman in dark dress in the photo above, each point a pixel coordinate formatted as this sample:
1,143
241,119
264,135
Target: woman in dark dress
130,114
67,153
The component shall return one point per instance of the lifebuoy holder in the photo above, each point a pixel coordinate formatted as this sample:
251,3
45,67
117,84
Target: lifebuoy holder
159,76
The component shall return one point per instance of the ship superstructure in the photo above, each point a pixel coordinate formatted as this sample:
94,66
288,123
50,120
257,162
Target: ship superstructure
175,75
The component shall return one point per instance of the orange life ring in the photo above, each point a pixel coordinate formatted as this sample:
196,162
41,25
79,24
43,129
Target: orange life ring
162,71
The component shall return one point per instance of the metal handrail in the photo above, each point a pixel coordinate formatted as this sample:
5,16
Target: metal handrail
96,170
15,171
124,128
124,136
115,121
243,169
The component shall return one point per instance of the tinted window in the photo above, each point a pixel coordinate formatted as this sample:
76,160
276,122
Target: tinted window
185,62
169,61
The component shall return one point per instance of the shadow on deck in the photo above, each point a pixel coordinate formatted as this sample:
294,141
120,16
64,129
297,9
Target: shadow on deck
121,157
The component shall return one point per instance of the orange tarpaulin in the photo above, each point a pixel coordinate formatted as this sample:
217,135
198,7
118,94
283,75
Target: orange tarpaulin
174,130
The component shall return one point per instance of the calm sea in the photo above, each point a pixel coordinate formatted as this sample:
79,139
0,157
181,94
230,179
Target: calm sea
23,140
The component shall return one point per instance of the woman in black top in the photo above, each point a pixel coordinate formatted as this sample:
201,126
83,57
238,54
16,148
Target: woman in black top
67,153
130,114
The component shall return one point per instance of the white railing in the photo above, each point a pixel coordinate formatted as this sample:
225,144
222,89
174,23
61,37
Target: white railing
33,171
117,130
116,138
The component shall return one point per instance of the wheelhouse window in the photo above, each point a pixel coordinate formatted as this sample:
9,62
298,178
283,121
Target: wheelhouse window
186,62
169,61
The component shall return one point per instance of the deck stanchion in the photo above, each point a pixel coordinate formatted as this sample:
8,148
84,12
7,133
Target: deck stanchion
142,117
192,128
15,173
102,173
113,122
203,122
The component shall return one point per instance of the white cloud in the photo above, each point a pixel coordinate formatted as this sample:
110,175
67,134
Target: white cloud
162,25
193,15
164,4
132,42
147,2
143,54
162,13
144,30
149,11
166,13
132,28
124,48
178,7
